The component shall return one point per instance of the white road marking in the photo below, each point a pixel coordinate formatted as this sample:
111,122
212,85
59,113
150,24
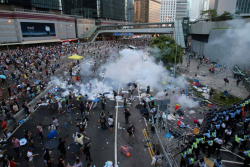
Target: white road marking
232,162
116,128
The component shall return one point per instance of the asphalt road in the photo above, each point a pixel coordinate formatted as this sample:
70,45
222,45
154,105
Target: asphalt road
105,144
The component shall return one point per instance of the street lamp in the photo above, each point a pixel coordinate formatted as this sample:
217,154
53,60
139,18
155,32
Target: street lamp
175,48
9,21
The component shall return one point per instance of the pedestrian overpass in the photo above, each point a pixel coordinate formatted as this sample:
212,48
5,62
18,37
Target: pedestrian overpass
137,28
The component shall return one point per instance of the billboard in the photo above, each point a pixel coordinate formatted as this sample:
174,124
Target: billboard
31,29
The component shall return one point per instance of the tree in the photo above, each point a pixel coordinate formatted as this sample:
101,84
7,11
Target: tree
167,48
211,14
225,16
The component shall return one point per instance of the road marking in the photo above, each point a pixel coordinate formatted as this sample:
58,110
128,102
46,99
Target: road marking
232,162
150,149
224,149
116,128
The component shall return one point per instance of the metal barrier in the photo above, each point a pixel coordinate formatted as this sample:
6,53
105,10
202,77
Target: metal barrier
245,77
22,115
169,158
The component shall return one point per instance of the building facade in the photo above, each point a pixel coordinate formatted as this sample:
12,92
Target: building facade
181,9
168,10
41,5
172,10
233,6
130,11
147,11
110,9
20,26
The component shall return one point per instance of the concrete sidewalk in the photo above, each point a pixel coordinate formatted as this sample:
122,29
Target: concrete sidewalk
215,80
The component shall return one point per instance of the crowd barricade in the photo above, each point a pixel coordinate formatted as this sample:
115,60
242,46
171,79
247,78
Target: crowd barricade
22,114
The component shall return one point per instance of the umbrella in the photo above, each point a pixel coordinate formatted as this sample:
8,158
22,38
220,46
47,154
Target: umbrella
176,107
106,93
75,147
95,100
75,57
52,134
213,62
52,144
23,141
3,76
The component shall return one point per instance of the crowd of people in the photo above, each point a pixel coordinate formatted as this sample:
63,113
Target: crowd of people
28,71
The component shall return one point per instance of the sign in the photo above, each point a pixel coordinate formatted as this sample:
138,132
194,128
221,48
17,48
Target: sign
31,29
124,34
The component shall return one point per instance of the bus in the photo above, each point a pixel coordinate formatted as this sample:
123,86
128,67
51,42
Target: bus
132,47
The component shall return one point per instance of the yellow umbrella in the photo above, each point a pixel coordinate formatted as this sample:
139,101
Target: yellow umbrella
76,57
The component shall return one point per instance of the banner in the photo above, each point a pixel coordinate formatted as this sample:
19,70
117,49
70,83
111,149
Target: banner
124,34
31,29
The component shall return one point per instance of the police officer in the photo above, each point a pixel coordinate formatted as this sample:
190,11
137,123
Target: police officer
190,159
183,157
202,142
237,141
210,143
246,123
245,137
195,148
217,162
218,143
201,163
247,157
228,133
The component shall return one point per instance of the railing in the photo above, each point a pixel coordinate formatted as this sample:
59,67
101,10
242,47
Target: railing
32,11
245,77
170,160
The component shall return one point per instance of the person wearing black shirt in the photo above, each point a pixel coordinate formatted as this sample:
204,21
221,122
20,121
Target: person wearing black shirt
87,152
61,146
127,114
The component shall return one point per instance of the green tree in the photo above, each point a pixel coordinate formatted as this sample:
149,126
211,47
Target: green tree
225,16
211,14
167,47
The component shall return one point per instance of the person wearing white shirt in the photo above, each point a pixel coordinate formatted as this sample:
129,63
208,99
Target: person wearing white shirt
59,106
30,155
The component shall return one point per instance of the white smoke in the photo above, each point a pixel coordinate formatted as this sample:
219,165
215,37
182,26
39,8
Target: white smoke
186,102
129,67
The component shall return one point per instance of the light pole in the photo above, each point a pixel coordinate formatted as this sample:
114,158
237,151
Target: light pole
9,21
175,49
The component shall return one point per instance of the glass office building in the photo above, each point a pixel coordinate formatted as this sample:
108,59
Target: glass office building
243,6
40,4
147,11
111,9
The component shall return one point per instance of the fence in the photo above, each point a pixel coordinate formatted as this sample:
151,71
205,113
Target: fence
22,115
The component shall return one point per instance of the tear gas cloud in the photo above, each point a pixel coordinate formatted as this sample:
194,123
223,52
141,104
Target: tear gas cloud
185,101
235,42
130,67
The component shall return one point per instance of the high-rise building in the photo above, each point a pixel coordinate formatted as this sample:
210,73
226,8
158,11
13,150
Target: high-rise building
111,9
194,10
168,10
41,5
232,6
130,11
147,11
181,9
172,10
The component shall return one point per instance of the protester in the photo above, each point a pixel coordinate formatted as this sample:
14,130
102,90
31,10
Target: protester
16,145
30,156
